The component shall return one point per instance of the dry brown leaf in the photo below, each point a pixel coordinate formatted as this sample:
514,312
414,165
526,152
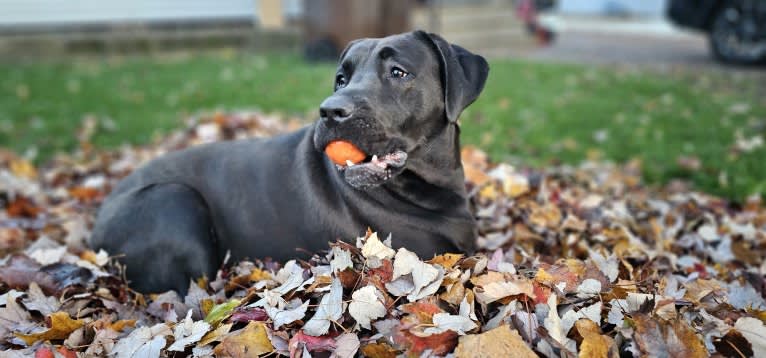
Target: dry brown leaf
495,291
454,295
572,222
658,338
85,193
684,342
545,216
489,277
568,273
698,289
474,165
649,337
379,350
734,344
11,238
498,342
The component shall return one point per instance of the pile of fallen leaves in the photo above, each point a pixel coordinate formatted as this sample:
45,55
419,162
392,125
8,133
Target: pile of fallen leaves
573,261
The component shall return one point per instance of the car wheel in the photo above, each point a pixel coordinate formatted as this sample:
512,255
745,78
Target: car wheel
733,37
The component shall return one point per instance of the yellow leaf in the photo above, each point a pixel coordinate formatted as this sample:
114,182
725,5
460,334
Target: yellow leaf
215,335
446,260
250,341
24,169
488,192
543,276
515,185
92,257
498,342
61,326
121,324
545,216
594,344
259,275
202,282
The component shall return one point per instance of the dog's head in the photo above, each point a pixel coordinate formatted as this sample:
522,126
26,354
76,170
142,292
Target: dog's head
392,95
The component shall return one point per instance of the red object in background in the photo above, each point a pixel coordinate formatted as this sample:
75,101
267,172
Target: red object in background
527,12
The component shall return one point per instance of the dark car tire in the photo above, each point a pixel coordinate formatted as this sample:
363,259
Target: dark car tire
722,27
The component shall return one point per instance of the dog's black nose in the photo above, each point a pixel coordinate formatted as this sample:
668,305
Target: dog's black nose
336,109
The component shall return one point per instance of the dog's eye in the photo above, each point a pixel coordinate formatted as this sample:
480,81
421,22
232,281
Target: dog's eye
340,81
397,72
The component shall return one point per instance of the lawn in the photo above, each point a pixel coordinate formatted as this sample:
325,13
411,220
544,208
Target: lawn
697,126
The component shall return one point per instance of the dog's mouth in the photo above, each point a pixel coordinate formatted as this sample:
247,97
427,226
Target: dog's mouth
374,170
364,155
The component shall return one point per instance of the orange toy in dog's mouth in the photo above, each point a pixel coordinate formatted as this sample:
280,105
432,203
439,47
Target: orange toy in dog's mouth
342,152
361,170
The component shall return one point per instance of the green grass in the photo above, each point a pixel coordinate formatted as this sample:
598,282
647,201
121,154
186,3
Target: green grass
530,113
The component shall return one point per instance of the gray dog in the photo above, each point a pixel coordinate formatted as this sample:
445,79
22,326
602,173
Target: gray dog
396,98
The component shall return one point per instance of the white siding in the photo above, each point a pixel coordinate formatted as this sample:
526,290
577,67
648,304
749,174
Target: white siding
21,12
594,7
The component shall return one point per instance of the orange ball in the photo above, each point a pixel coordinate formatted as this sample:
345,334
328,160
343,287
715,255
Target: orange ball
340,151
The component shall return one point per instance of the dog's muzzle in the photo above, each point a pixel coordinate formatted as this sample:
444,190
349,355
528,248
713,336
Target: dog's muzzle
375,171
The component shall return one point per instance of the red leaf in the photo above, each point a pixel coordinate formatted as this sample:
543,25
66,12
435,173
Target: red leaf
423,310
439,344
247,314
385,272
312,344
47,352
44,352
541,293
86,194
22,207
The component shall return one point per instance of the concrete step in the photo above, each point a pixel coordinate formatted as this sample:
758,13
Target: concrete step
487,39
500,53
484,19
493,31
470,18
497,35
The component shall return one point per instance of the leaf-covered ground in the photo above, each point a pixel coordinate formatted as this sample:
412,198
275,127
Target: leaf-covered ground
574,261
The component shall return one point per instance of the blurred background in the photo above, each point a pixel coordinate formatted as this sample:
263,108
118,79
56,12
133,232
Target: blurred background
675,86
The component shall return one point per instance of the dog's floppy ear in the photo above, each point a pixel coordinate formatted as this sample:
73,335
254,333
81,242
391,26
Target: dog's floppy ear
463,74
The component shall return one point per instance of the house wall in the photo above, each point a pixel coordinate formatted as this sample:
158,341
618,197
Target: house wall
58,12
597,7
